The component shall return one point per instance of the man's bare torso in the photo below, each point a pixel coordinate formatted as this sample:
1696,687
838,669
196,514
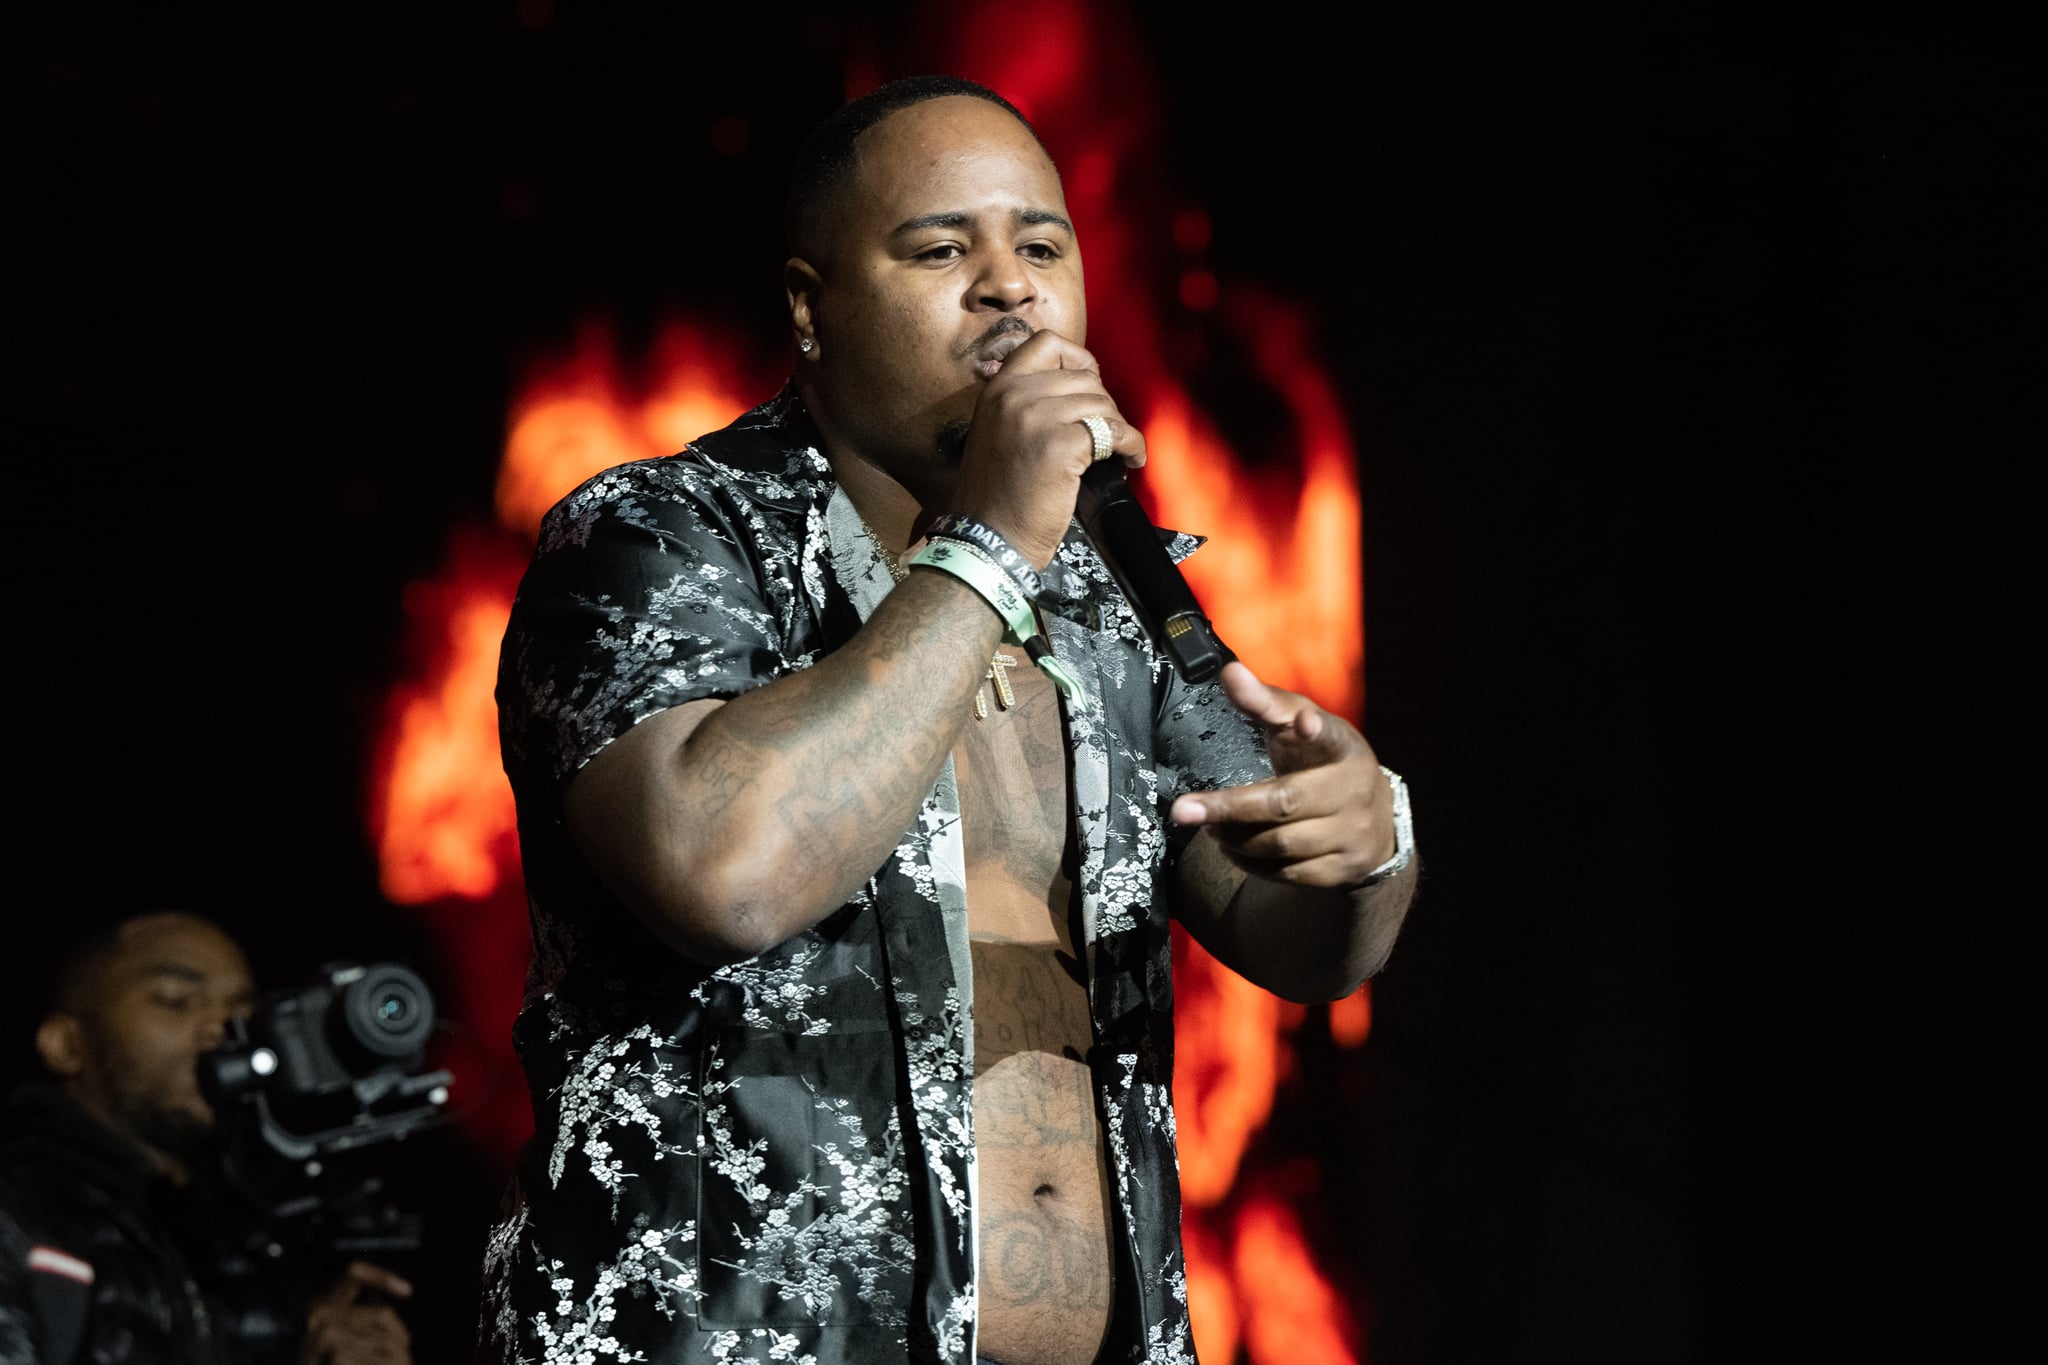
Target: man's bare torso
1046,1267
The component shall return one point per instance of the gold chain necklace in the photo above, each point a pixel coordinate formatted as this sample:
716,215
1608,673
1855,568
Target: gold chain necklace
998,666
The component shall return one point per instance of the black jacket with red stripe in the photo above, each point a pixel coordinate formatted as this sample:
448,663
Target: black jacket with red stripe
92,1260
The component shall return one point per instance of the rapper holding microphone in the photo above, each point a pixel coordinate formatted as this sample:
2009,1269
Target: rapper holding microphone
863,760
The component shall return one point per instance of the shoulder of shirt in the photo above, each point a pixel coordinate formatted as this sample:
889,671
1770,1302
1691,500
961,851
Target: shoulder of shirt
767,456
770,454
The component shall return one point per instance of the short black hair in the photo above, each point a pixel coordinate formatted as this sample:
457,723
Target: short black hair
826,155
78,976
78,969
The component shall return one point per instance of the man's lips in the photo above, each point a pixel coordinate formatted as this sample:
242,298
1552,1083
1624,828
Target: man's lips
1006,337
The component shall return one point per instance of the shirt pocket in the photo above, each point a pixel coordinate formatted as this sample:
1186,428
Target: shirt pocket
804,1204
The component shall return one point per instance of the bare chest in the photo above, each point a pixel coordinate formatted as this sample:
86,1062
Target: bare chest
1011,770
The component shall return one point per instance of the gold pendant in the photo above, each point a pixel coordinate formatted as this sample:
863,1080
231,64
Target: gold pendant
998,673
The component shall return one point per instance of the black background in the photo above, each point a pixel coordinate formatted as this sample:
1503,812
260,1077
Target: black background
1681,358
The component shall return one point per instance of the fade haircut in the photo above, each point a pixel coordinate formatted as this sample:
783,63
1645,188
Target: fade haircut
827,156
76,983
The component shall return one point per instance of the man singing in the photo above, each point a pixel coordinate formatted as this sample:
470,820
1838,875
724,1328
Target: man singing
855,807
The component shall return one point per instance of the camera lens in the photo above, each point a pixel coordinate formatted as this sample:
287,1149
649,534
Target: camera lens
388,1011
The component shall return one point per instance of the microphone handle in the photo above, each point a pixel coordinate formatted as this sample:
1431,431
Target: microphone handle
1129,544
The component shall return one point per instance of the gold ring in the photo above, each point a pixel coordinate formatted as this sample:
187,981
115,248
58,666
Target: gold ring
1098,428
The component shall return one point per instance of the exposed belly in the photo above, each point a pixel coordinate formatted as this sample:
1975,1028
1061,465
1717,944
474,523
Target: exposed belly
1046,1268
1047,1273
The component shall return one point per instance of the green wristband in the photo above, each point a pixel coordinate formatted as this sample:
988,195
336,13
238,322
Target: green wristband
974,568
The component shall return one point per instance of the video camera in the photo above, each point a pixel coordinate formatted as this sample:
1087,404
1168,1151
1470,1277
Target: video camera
300,1090
334,1065
319,1072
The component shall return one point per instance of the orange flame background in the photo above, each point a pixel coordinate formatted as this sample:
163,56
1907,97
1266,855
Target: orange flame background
1280,578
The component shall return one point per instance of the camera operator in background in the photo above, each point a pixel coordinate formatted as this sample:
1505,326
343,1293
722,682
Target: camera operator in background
115,1206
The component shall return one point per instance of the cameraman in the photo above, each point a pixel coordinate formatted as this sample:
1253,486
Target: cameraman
111,1193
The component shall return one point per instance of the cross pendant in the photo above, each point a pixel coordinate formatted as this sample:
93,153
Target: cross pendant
998,674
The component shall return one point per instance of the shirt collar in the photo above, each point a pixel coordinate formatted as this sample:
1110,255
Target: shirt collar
784,438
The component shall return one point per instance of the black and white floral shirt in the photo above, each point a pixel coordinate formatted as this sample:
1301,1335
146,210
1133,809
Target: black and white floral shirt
774,1161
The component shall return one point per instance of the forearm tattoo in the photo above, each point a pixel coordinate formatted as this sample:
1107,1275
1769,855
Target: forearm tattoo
851,745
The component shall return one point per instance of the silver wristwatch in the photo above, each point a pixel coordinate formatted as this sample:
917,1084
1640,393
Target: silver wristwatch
1404,832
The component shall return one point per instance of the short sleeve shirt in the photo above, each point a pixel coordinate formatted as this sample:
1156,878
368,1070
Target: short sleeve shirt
774,1160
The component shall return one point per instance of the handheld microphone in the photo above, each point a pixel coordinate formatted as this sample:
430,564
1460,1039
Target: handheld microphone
1129,544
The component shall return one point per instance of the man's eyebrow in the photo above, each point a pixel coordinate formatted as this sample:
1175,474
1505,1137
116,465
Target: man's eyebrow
931,220
1025,217
178,971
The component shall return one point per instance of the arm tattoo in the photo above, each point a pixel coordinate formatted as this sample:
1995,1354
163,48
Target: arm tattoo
850,746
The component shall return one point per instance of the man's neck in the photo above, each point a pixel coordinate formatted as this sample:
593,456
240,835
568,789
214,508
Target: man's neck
891,511
895,511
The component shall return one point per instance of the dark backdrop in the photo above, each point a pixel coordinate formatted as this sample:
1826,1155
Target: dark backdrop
1673,351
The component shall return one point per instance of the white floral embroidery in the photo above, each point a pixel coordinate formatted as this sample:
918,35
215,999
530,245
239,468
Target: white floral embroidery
576,1329
936,1067
952,1330
861,1225
602,1089
782,1347
812,566
1115,1106
914,854
777,990
1166,1343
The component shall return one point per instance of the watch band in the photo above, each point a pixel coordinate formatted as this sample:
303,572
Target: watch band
1404,832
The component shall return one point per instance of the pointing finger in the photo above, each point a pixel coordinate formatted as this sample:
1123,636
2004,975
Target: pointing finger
1292,796
1284,842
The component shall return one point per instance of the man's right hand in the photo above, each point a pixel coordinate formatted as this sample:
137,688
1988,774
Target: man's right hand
1026,449
353,1323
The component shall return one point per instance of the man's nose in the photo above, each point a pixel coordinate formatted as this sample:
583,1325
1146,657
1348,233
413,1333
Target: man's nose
1003,283
213,1028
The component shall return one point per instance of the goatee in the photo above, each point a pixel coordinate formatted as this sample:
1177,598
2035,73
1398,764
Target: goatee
177,1131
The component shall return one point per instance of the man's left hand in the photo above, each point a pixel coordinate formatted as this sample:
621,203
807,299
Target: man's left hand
352,1322
1325,818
